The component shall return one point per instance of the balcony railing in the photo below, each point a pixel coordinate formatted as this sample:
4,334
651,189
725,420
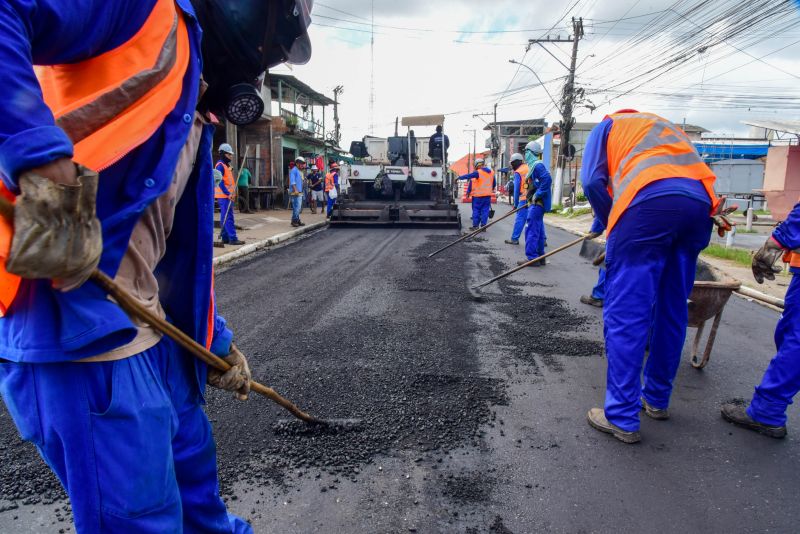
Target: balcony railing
305,125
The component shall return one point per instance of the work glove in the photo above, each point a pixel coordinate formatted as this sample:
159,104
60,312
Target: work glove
56,231
720,218
764,260
236,379
593,235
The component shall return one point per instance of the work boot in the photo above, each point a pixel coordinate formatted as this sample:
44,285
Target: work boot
597,420
659,414
473,228
300,223
512,242
737,414
236,242
591,301
295,224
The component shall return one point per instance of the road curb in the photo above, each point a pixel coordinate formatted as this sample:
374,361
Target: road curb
246,250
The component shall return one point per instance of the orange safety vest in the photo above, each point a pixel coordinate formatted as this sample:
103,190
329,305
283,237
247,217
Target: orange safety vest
643,148
227,179
523,170
110,104
330,183
482,185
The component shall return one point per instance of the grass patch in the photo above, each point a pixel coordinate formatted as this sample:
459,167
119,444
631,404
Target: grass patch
762,212
575,213
736,255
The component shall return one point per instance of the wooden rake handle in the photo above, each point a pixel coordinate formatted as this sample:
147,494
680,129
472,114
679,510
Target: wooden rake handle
136,310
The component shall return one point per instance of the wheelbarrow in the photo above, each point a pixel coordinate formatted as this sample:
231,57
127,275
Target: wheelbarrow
709,295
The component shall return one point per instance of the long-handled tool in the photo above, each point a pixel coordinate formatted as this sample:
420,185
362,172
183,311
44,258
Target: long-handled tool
529,263
476,232
235,192
136,310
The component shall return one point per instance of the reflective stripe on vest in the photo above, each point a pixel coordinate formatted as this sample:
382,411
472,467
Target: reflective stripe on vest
482,185
227,179
643,148
523,171
110,104
330,182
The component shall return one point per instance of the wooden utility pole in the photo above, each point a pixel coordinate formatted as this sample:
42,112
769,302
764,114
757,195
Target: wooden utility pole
337,130
567,102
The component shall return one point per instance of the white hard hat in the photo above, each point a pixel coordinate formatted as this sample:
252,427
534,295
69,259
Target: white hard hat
341,162
479,159
534,147
516,156
313,167
299,159
225,147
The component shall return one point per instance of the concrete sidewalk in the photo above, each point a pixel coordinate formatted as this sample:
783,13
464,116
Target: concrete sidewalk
777,288
262,226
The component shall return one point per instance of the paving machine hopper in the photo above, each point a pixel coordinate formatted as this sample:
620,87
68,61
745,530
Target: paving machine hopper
398,181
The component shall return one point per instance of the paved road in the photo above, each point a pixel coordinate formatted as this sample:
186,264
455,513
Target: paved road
472,414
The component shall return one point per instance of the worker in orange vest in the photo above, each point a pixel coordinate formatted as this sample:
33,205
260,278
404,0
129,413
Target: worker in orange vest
766,412
126,89
654,197
225,193
481,187
331,181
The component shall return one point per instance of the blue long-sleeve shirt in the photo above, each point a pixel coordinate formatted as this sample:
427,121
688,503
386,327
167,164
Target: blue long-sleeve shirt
595,177
787,234
47,325
542,183
474,174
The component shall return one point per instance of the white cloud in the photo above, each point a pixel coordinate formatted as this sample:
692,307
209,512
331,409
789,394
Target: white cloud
444,71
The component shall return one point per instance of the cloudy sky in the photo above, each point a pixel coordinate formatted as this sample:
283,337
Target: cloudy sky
710,62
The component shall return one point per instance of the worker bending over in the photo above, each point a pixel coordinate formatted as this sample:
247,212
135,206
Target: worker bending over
653,196
481,187
538,196
116,410
519,195
781,382
225,194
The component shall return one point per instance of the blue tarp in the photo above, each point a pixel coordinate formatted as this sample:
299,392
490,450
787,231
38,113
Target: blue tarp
716,152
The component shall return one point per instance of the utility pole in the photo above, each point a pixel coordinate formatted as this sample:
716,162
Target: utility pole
568,102
474,148
495,145
337,131
372,72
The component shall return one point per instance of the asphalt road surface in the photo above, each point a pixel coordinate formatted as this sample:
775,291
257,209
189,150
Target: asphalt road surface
469,416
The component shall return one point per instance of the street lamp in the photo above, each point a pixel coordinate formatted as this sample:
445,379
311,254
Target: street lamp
515,62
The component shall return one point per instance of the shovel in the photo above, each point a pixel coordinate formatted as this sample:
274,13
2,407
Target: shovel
476,232
136,310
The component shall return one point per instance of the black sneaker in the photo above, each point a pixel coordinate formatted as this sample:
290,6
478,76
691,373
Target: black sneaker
512,242
737,414
597,420
300,223
591,301
295,224
236,242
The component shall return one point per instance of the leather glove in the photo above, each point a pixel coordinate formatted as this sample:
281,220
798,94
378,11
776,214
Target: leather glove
236,379
593,235
56,231
720,218
764,260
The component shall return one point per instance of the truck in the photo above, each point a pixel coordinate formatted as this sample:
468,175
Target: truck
397,181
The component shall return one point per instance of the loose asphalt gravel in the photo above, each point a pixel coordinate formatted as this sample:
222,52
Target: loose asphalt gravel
469,416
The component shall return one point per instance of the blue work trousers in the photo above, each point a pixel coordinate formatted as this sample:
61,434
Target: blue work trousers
331,202
128,440
599,289
228,228
297,206
480,210
520,220
534,233
651,257
781,380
